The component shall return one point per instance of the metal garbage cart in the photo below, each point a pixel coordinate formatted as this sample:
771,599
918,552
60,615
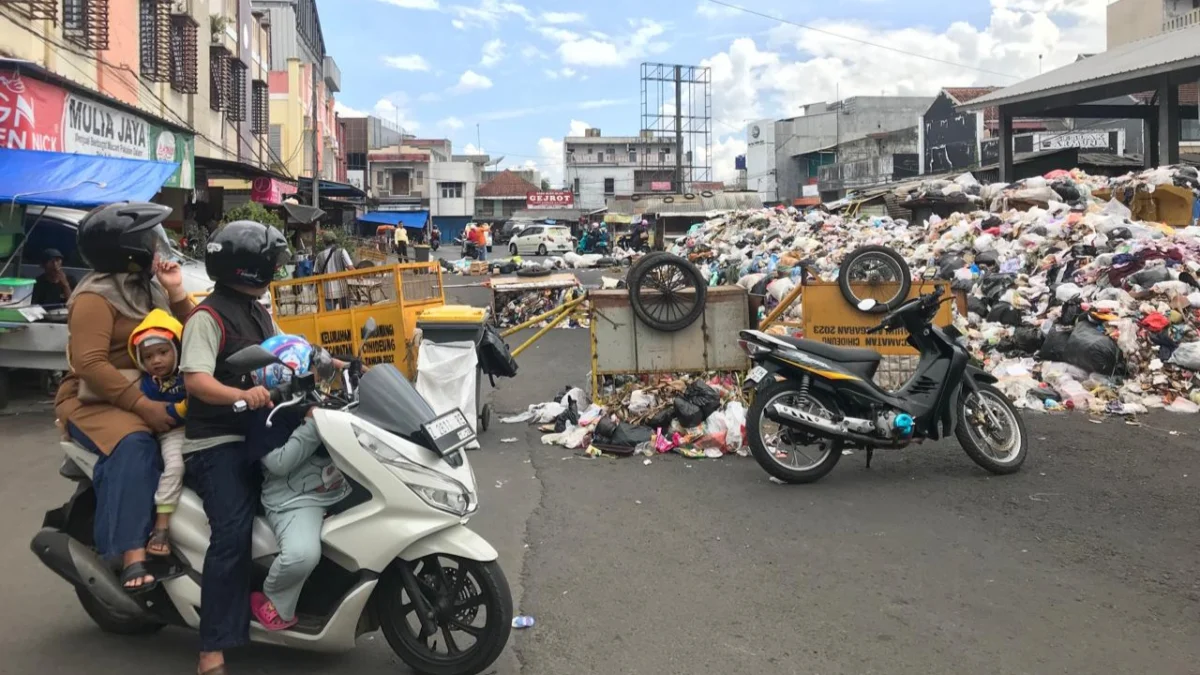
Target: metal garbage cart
459,323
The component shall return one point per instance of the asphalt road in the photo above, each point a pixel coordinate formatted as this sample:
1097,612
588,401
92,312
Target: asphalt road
1088,561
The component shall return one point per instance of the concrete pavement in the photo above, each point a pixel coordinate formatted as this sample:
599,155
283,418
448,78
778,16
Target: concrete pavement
1088,561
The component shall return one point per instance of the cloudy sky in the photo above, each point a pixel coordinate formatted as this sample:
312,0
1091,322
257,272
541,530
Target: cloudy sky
529,72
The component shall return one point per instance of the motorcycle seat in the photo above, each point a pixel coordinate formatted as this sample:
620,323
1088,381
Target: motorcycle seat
833,352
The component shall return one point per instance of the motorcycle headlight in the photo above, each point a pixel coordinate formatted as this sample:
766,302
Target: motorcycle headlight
436,489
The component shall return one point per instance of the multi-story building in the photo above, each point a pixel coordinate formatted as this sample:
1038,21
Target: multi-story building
759,172
804,144
183,81
424,175
364,134
298,63
597,168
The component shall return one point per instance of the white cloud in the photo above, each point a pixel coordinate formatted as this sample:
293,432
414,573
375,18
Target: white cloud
563,73
451,123
724,154
550,155
472,81
472,149
604,103
493,52
794,66
414,4
344,110
394,109
458,23
531,52
563,17
489,12
709,10
429,97
578,128
412,62
599,50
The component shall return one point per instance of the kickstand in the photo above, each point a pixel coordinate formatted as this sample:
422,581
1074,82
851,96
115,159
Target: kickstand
870,454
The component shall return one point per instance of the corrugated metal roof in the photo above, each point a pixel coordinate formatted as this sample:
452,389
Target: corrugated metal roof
1175,50
548,214
678,205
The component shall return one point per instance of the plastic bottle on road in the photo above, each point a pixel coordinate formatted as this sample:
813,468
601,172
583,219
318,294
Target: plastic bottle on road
522,622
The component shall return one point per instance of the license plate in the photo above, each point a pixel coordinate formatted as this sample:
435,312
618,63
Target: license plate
447,424
756,374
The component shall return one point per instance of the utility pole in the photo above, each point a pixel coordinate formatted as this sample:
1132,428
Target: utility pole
316,140
679,129
478,141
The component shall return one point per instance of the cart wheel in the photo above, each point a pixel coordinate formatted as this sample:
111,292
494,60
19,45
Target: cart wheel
3,388
485,417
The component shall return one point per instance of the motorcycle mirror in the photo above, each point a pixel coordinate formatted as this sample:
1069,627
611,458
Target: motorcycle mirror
250,359
369,328
867,305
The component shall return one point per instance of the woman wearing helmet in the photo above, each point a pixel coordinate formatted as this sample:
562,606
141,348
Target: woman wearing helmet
102,408
242,258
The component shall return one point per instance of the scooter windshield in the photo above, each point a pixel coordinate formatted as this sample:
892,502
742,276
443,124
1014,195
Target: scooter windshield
389,401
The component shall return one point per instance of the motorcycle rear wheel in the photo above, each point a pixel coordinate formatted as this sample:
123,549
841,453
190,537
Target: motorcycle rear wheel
457,594
764,444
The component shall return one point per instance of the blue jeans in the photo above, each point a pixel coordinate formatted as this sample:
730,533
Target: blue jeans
229,485
124,482
481,251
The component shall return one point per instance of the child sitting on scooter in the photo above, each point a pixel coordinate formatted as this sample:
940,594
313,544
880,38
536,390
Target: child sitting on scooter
299,483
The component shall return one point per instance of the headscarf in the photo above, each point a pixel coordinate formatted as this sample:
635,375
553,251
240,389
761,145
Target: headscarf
132,295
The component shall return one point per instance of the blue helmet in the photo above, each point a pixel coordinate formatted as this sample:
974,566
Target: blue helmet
292,350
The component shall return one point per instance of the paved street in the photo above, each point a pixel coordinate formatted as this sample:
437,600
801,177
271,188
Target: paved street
1086,562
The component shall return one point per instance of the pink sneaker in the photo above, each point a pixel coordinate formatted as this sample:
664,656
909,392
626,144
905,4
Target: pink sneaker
264,610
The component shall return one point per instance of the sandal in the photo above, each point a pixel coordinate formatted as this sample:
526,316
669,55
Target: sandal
136,572
219,670
159,545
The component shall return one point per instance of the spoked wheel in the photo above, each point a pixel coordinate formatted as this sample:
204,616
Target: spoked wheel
667,292
469,608
787,453
991,430
877,273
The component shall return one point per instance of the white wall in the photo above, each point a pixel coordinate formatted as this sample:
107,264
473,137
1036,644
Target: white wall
591,183
466,173
760,159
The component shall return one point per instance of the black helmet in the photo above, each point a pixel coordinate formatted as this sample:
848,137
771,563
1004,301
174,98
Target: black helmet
123,237
245,252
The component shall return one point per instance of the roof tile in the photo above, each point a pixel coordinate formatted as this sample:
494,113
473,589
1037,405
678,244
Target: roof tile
506,184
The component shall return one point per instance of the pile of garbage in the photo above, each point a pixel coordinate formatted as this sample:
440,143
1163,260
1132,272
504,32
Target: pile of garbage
514,308
693,416
1073,299
567,261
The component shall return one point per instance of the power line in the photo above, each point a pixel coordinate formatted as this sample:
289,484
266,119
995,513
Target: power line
858,40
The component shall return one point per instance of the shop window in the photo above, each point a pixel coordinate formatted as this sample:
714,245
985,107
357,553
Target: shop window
235,109
451,190
154,33
185,54
85,22
260,119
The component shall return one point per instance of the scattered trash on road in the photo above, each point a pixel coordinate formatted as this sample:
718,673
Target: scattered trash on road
522,622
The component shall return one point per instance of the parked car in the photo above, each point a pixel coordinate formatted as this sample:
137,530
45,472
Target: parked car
510,229
542,240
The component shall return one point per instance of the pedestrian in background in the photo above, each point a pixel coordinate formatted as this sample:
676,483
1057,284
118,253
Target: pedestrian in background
329,261
402,243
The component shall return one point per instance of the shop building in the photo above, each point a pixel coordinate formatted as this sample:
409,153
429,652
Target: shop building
599,168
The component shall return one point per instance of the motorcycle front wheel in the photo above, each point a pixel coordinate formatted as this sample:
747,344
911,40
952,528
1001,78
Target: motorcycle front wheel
789,454
991,431
470,604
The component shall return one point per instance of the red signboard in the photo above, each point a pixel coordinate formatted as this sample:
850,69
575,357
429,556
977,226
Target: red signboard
31,113
660,186
560,199
270,191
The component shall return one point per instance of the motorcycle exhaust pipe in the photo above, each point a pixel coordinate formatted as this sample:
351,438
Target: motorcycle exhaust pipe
791,416
82,568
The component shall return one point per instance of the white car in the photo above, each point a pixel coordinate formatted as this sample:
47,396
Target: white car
542,240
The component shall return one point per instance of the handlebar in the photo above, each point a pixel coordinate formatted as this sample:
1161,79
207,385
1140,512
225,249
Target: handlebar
924,302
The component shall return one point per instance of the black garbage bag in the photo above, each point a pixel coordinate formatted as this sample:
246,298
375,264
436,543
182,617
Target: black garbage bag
1006,314
688,413
992,286
629,435
1091,350
569,416
508,268
1067,190
605,428
948,265
1054,346
703,397
989,258
661,419
1028,339
1149,276
1072,310
495,359
977,306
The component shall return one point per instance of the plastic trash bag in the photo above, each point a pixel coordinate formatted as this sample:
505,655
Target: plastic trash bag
640,402
1092,351
703,397
689,414
1187,356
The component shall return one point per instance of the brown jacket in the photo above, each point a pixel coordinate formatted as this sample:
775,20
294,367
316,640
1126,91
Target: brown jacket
98,349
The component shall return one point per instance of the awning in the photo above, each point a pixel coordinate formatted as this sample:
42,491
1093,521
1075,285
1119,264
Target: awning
332,189
80,181
412,219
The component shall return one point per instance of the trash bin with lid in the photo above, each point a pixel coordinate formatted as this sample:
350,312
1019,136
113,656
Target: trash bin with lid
459,323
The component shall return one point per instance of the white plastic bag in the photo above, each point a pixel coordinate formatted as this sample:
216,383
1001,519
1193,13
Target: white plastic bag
1187,356
446,378
735,418
640,402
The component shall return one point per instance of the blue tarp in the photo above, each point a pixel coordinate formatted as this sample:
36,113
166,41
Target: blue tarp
80,181
409,219
451,227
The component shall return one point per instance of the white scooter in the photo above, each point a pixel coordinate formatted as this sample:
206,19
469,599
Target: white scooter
397,553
